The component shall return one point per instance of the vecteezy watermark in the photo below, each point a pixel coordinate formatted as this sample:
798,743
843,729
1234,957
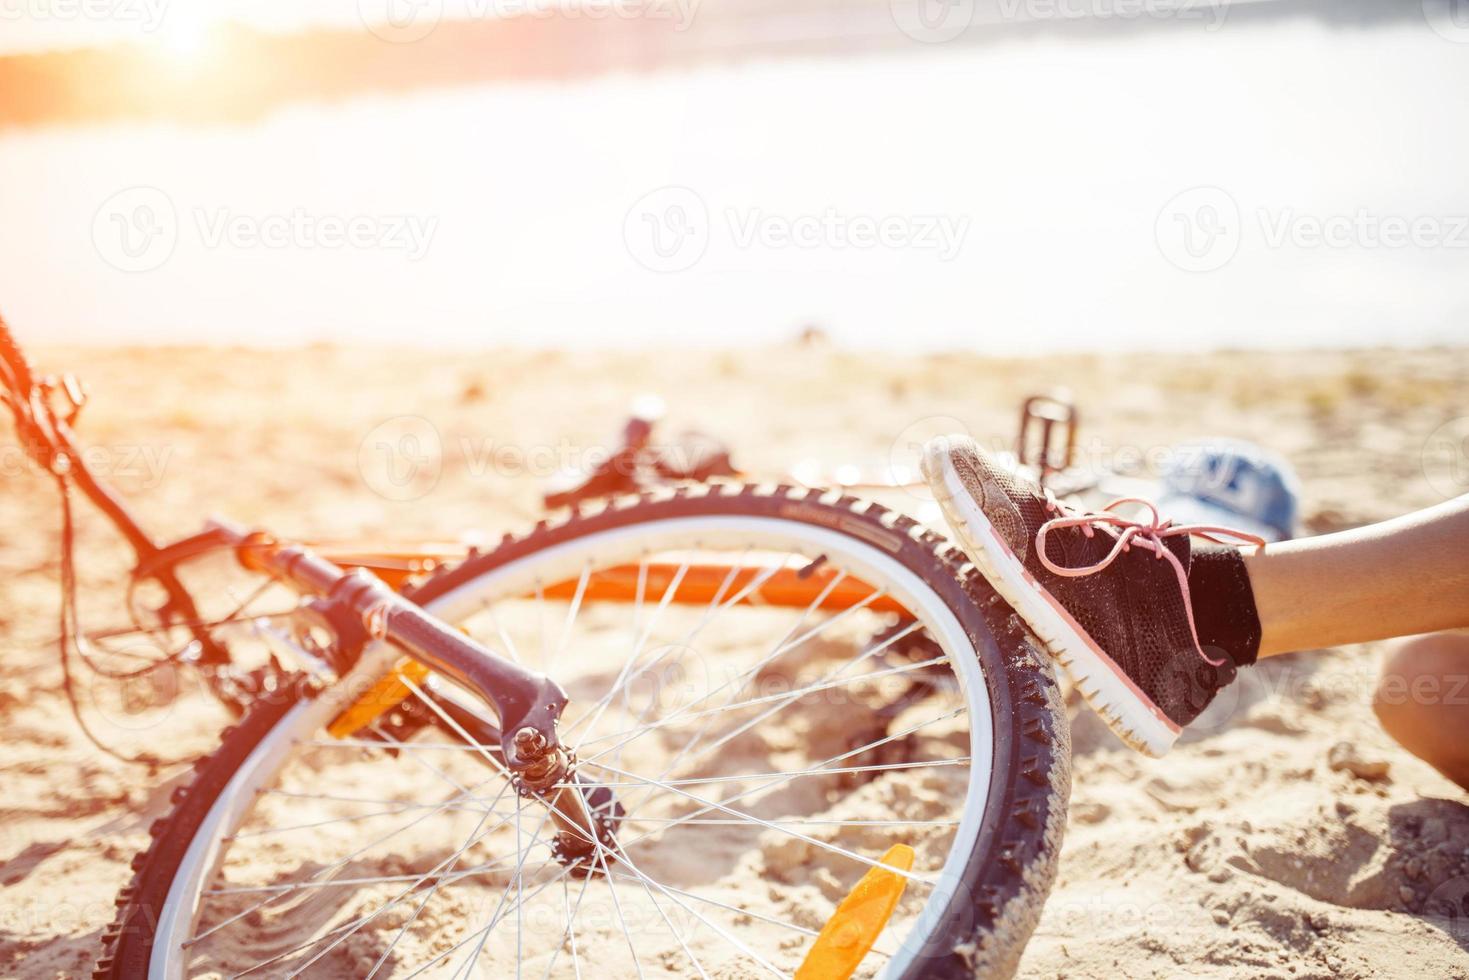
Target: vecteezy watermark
1445,458
400,21
1200,229
670,229
1362,229
298,228
402,458
1447,907
407,21
54,915
940,233
146,15
932,21
667,230
905,455
936,21
141,464
1449,19
133,696
138,228
1210,13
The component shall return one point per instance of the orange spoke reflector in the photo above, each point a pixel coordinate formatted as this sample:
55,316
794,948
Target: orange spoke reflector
858,921
703,583
382,697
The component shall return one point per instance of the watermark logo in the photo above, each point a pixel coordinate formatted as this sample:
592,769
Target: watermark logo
906,452
131,697
670,229
143,466
146,14
667,230
1448,908
1198,230
407,233
136,229
1449,19
943,234
407,21
400,21
1445,458
402,458
1210,12
932,21
1362,229
139,228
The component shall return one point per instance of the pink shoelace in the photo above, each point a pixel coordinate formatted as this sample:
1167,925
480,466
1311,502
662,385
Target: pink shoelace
1149,534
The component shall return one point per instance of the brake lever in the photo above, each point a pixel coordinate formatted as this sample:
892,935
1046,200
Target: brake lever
76,396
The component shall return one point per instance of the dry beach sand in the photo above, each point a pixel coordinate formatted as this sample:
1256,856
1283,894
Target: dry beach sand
1286,837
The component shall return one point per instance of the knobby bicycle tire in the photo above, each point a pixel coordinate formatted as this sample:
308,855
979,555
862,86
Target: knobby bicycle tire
1012,861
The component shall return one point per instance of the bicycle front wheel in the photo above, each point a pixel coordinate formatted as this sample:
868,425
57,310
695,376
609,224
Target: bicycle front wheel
750,759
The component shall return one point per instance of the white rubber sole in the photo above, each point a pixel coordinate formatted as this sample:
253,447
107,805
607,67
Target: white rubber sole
1130,713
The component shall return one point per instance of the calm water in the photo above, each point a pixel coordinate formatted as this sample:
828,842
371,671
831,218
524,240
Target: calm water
1015,197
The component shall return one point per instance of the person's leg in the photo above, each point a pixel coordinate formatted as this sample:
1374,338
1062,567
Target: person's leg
1152,624
1422,700
1402,577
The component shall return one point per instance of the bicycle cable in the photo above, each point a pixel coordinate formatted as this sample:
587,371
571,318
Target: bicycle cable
70,622
72,638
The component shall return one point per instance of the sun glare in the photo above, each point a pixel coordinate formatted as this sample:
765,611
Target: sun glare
185,39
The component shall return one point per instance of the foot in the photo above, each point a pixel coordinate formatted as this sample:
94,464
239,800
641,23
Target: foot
1107,595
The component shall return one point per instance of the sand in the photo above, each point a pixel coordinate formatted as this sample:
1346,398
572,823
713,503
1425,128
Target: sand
1286,837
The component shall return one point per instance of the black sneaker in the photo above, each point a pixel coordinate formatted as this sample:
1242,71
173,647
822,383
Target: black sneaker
1107,595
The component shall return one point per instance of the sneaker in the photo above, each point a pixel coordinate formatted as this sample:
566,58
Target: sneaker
1107,595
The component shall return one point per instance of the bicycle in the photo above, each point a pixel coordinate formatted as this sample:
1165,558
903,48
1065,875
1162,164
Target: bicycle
646,736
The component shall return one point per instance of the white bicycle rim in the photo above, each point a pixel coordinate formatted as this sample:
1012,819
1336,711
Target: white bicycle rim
258,772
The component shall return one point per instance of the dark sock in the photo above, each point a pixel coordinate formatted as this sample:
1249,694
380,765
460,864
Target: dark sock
1224,603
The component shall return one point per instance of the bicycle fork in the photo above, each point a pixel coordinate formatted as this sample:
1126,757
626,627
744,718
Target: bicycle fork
358,607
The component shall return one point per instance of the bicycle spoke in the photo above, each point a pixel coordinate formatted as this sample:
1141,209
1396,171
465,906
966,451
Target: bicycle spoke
785,698
824,845
734,908
767,776
732,940
581,590
509,644
641,640
622,920
774,709
711,612
403,929
666,920
426,856
799,821
475,936
519,882
353,925
680,712
876,743
469,872
366,847
569,933
698,736
351,818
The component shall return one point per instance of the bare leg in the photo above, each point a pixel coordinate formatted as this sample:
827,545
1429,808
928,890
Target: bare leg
1402,577
1422,700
